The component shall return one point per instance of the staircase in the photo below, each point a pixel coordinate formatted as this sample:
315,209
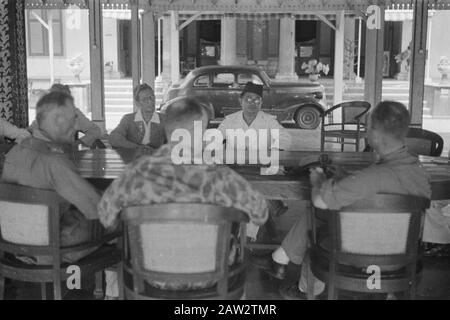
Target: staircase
118,96
392,90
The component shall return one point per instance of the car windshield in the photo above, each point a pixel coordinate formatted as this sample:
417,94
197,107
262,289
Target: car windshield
265,77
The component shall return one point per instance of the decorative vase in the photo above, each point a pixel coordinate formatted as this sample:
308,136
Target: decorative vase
444,68
314,77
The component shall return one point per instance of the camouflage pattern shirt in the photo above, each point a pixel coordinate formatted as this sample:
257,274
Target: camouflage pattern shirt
155,179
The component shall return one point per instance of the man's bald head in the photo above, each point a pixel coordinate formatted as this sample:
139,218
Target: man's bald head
182,114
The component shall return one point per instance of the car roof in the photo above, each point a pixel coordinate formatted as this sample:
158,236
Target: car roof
230,68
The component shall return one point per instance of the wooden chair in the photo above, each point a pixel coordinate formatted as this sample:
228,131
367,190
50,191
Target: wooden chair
383,231
30,226
352,126
181,246
424,142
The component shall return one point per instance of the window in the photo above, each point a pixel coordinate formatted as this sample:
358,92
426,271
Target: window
223,80
38,34
202,81
243,78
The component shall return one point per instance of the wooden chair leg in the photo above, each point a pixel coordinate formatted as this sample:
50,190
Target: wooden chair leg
2,287
44,291
98,291
322,142
120,281
309,280
57,295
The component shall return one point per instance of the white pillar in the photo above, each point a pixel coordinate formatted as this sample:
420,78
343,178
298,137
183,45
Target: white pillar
373,69
427,72
349,63
135,44
228,41
175,47
96,62
339,57
148,48
51,50
171,48
358,70
286,62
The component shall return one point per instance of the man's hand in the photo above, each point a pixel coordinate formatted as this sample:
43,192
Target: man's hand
317,177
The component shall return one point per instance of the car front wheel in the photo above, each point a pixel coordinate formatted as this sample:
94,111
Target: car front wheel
307,117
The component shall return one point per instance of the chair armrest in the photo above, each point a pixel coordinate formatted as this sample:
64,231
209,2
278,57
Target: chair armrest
327,112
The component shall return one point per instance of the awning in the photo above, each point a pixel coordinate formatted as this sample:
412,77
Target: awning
239,6
126,15
403,15
399,15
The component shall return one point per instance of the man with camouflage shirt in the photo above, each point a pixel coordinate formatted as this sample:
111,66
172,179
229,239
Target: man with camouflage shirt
155,179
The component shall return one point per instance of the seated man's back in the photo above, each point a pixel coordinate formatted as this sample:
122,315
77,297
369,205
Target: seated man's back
156,179
40,162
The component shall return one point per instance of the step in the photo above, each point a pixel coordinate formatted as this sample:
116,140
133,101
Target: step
116,94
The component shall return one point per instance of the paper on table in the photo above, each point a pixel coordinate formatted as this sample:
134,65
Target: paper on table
446,211
252,230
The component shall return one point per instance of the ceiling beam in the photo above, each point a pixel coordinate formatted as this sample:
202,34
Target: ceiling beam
326,21
188,21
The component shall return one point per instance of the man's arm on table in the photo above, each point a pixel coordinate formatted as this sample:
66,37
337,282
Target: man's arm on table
332,194
91,131
118,139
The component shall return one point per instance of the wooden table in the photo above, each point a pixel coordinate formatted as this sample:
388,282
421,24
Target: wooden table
103,166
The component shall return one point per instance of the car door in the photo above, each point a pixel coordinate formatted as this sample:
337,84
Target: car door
248,76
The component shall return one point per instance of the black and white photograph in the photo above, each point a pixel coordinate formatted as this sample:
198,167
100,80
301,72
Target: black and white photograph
224,158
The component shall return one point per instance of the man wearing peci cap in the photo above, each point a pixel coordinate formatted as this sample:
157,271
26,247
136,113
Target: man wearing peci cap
253,118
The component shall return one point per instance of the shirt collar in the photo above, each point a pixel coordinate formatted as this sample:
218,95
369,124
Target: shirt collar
399,154
41,143
139,118
257,118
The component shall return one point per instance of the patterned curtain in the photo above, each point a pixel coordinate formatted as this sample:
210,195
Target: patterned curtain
13,63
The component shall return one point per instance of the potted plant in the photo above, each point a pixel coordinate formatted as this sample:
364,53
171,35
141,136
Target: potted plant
313,68
444,68
76,65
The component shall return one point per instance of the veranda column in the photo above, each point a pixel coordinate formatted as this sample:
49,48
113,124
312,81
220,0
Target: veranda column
96,62
13,63
148,48
175,47
171,48
286,64
418,61
135,44
373,69
339,57
228,41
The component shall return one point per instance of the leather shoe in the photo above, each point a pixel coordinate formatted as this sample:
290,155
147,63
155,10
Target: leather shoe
437,250
291,292
269,266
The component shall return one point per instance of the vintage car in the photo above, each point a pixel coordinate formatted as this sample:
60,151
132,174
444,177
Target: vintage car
219,87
